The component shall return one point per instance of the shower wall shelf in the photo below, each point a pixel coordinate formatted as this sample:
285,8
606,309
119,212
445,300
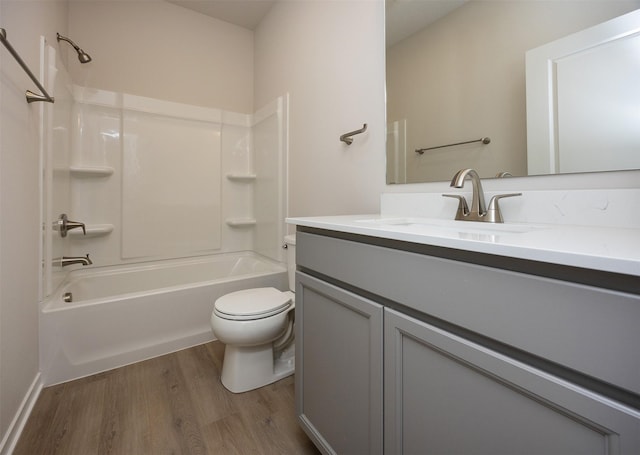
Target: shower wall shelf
93,230
241,177
241,222
91,171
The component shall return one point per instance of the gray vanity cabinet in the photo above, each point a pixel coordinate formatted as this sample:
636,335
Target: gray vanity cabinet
447,395
474,359
338,368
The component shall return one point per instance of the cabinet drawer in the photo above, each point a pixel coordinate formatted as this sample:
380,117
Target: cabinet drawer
584,328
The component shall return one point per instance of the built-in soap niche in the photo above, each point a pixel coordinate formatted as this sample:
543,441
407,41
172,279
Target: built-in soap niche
246,179
93,173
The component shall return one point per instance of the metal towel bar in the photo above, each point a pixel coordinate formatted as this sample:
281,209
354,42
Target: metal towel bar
484,140
31,97
346,137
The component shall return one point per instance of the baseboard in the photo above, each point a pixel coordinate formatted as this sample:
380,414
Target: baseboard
14,431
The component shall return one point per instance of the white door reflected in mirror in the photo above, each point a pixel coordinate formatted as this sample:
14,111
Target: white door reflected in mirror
583,100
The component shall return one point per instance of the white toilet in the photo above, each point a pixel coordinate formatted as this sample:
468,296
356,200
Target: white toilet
256,325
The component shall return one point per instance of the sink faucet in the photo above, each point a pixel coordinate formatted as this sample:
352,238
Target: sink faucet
65,261
479,210
478,206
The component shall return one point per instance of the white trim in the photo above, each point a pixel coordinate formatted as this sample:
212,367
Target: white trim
22,415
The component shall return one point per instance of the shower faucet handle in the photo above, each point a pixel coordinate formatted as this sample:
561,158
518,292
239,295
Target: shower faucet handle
63,225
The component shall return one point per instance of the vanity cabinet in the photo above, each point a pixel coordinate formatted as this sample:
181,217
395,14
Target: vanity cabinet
338,367
474,358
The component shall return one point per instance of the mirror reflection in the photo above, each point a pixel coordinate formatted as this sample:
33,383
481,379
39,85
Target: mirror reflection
461,78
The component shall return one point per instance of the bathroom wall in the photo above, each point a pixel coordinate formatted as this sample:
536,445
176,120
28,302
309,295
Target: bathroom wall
329,56
163,51
462,77
20,204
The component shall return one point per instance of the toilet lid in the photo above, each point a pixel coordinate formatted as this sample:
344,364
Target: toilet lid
252,303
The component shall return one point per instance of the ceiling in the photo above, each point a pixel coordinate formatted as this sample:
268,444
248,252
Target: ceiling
403,17
245,13
406,17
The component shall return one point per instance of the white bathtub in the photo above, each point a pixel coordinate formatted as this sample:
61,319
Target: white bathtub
124,314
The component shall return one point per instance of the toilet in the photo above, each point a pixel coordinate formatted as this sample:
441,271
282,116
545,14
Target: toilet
256,326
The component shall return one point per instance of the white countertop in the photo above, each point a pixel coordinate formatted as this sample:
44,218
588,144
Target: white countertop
600,248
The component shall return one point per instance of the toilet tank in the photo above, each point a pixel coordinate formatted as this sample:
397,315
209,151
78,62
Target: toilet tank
290,242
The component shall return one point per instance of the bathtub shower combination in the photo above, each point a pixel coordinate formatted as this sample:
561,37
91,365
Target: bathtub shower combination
182,205
124,314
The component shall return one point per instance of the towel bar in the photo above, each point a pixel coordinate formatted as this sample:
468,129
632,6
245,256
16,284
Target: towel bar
31,96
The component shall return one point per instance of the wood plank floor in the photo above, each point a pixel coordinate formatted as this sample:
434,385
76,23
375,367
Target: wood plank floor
174,404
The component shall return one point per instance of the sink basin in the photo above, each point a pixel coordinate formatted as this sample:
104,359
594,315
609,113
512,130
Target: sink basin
454,225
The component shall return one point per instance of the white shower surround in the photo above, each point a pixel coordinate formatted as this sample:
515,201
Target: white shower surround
109,135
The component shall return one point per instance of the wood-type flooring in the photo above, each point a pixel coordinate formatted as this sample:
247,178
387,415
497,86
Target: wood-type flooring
174,404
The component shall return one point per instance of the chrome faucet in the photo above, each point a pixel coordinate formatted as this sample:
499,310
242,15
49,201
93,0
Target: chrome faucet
478,206
63,224
65,261
479,210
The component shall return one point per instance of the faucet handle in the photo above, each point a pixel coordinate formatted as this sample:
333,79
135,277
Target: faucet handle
463,208
64,224
76,224
494,215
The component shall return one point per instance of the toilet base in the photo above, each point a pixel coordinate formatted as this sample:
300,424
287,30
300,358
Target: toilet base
246,368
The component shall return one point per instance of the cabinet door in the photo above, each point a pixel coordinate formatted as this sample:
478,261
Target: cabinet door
338,368
447,395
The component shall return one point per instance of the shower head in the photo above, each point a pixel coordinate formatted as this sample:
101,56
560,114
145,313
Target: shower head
82,55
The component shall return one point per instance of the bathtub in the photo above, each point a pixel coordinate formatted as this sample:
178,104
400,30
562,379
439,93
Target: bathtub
123,314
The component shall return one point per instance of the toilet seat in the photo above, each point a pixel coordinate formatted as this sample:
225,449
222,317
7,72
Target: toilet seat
250,304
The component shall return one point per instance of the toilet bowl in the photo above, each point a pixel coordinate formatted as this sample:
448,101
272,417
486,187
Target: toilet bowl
256,326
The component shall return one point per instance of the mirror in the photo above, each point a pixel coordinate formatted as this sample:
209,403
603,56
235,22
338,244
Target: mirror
461,78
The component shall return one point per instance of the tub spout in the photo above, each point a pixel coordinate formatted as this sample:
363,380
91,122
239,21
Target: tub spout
65,261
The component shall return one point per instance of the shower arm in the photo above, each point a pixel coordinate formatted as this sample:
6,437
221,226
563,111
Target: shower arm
64,38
